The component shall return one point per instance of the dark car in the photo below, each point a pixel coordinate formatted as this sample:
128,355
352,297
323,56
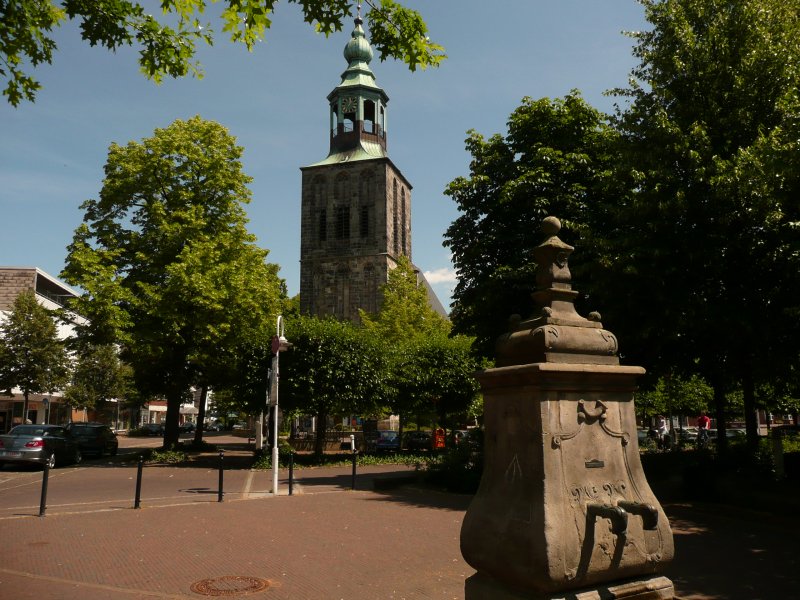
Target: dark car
94,438
417,440
387,441
153,429
186,427
39,444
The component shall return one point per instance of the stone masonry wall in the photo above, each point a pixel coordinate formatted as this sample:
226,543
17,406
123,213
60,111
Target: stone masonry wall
355,220
12,282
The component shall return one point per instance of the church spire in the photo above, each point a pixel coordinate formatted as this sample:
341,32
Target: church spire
358,105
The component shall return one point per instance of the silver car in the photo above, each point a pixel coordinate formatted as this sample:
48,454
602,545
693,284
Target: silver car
39,444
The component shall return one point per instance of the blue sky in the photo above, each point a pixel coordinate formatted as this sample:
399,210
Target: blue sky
273,100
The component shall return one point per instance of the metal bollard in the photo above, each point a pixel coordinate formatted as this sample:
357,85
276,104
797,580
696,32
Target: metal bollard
291,472
221,459
45,477
138,482
355,454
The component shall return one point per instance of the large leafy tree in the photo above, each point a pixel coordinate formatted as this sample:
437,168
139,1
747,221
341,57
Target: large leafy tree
709,241
333,367
167,45
556,159
32,357
167,264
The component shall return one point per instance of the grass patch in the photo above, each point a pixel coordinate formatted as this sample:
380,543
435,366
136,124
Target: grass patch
341,459
165,456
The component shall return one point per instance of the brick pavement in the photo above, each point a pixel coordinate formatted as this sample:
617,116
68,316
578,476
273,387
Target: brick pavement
331,543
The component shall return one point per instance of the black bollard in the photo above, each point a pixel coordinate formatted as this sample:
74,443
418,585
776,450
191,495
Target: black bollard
355,454
45,477
138,482
221,459
291,472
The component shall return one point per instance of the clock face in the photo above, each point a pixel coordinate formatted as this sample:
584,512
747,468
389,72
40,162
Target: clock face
349,104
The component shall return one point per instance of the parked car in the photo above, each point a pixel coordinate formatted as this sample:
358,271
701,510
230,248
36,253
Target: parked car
186,427
387,441
153,429
215,426
39,444
94,438
417,440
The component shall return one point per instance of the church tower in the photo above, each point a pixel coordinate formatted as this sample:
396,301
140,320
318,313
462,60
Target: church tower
356,204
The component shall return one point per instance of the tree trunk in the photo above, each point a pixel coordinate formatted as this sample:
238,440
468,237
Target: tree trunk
719,414
750,420
171,433
201,415
322,426
25,407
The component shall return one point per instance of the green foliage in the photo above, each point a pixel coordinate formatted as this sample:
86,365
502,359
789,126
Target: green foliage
167,264
98,375
431,372
405,313
167,46
171,457
436,375
333,367
342,459
459,469
557,159
676,395
23,38
709,234
32,357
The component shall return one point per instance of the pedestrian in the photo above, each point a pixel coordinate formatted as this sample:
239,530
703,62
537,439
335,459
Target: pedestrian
703,426
663,432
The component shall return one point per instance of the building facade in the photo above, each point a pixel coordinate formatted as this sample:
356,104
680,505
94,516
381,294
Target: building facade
52,294
356,204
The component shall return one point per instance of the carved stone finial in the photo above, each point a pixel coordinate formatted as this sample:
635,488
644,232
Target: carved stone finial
558,333
551,226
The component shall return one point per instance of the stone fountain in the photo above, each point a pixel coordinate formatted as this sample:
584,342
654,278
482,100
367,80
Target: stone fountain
563,510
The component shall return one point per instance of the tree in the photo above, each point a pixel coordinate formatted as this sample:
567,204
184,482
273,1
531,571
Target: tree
168,267
168,46
32,357
675,395
405,312
557,159
431,372
708,239
333,367
98,376
437,375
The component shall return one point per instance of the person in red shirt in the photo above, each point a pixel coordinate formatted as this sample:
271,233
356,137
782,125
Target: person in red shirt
703,425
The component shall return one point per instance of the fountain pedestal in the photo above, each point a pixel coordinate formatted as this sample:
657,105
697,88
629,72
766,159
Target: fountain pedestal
563,510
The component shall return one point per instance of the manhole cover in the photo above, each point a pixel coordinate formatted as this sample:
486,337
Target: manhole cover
229,585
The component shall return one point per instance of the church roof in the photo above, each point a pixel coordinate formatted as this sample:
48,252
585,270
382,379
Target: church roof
366,150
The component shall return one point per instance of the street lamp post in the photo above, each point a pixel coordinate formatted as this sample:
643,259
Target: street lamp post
279,343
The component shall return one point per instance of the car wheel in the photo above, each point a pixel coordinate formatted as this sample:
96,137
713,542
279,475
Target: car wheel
78,457
51,460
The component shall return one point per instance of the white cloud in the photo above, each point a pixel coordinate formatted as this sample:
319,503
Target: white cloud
443,275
